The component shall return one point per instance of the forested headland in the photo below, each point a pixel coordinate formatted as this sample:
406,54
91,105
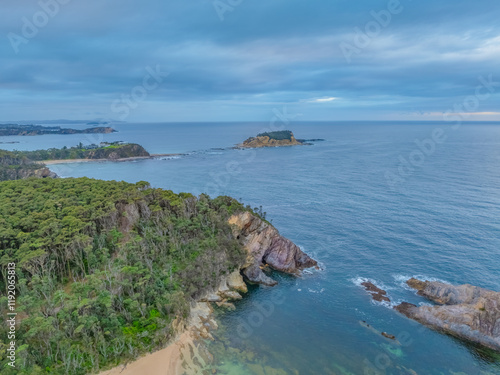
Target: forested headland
15,165
104,268
116,150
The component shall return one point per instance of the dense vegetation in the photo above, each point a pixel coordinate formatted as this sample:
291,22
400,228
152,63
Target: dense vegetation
278,135
104,268
110,151
15,166
14,129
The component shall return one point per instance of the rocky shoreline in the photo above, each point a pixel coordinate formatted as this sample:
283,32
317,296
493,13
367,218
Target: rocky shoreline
266,247
467,312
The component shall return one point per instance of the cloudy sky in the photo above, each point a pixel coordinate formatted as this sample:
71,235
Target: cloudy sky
240,60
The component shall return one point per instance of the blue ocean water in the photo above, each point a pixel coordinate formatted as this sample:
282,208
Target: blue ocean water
368,202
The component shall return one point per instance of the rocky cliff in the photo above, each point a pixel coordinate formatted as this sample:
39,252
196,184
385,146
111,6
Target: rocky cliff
15,167
464,311
266,247
271,139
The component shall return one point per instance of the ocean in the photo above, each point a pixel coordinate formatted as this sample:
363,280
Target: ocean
382,201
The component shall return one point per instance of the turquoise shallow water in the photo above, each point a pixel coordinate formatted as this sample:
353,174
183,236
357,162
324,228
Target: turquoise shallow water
439,220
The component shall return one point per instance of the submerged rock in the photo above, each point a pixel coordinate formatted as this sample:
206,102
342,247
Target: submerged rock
388,335
265,246
385,334
464,311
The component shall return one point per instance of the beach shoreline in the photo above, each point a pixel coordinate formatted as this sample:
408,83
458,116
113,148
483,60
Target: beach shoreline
185,355
164,361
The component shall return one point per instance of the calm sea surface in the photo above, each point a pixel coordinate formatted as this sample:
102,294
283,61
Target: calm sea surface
366,203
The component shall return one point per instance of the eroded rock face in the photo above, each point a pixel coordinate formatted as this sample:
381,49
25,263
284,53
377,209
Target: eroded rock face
236,282
255,275
266,246
229,288
465,311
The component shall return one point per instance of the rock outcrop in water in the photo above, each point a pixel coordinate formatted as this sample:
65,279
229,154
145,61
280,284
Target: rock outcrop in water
378,294
464,311
266,247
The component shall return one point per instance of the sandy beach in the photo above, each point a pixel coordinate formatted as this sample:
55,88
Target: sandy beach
187,355
167,361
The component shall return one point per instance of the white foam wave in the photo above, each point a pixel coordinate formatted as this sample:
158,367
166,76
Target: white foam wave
168,158
316,291
358,280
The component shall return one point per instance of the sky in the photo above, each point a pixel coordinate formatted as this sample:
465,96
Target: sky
246,60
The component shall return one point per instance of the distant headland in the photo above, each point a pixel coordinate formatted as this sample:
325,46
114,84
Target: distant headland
16,165
24,130
275,139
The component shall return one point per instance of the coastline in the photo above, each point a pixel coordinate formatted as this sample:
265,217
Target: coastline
71,161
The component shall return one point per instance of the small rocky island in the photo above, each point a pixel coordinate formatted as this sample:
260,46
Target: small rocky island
272,139
25,130
466,311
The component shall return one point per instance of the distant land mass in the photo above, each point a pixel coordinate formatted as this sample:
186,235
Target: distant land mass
97,123
23,130
275,139
18,165
104,151
63,121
